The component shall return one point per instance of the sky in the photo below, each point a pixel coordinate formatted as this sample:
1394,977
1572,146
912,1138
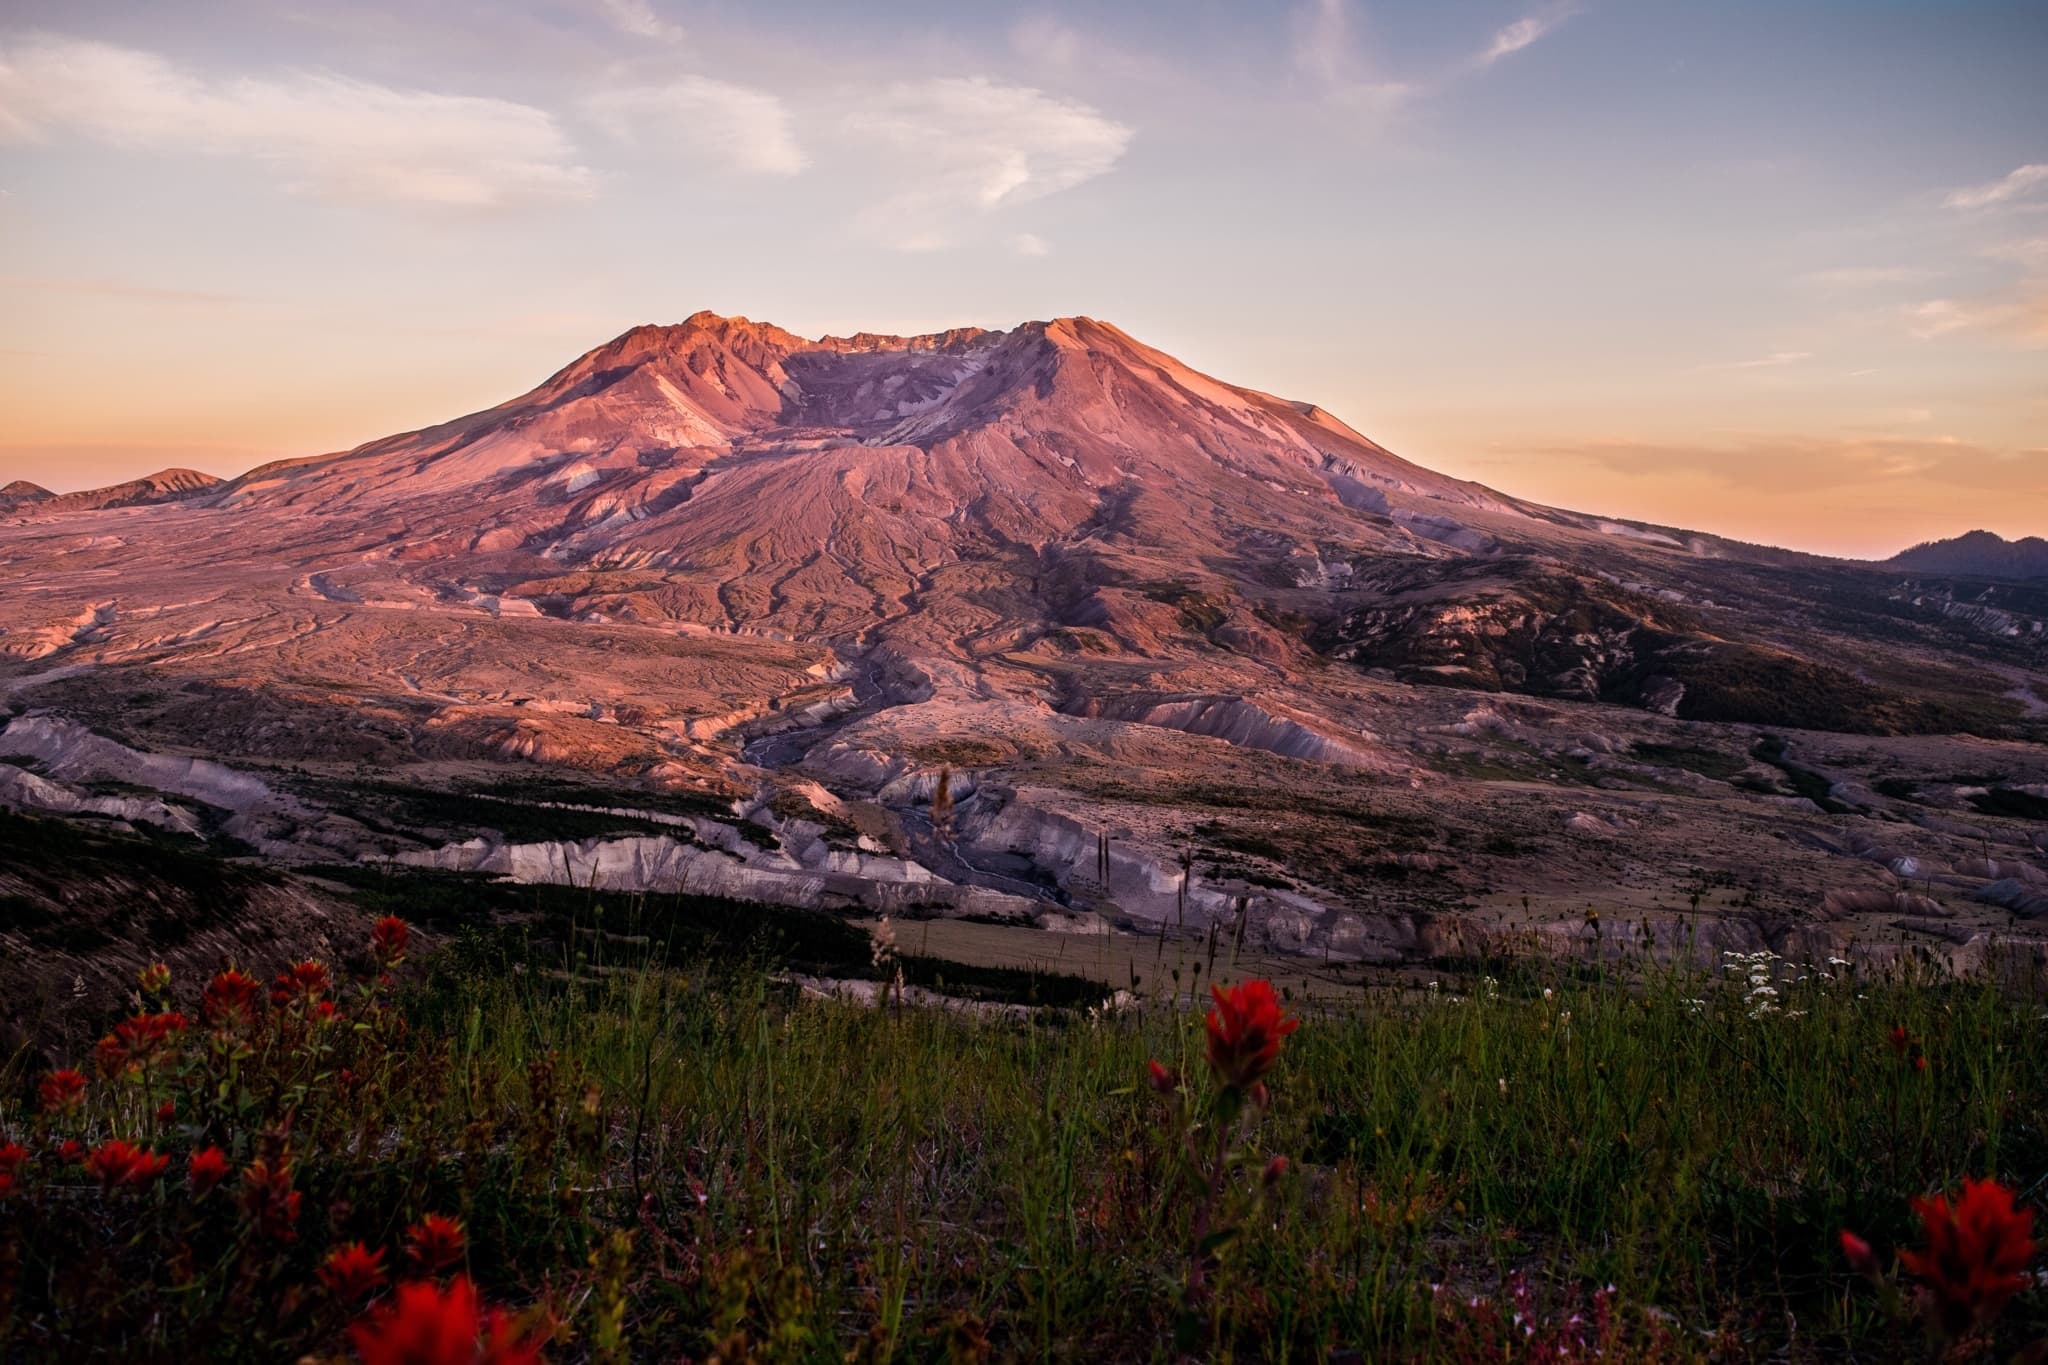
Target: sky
1776,269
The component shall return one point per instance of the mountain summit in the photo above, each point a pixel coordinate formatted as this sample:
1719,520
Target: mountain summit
1182,652
979,511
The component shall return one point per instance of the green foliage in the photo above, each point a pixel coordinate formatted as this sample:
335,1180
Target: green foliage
809,1180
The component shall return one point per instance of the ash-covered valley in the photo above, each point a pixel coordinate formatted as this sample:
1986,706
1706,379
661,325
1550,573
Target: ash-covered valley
1036,632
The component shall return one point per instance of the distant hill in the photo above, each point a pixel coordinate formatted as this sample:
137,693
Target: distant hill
1977,552
166,485
22,493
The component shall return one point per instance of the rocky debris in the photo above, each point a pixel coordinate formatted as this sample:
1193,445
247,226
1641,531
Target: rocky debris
1843,902
1270,726
2026,899
1597,826
841,880
24,791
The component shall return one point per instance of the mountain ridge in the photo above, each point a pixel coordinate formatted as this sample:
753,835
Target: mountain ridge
1978,552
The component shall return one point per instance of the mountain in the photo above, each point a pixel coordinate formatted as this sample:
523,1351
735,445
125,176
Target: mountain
22,492
741,597
1977,553
166,485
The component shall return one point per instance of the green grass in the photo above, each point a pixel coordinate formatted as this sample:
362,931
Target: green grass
818,1181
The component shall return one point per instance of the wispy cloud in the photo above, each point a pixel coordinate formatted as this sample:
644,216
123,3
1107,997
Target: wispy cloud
2019,183
1330,50
1524,32
1793,464
742,128
960,148
1775,360
1864,276
2016,311
324,134
639,19
2020,316
1029,244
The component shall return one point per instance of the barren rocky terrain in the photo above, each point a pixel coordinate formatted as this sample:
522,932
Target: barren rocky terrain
720,609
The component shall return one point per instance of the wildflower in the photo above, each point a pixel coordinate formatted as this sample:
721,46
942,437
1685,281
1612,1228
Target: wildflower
352,1271
70,1152
120,1162
1275,1169
136,1041
155,979
61,1092
13,1156
388,939
306,981
425,1324
434,1242
1976,1255
325,1013
167,1111
1161,1077
207,1168
230,999
1245,1032
269,1199
1861,1258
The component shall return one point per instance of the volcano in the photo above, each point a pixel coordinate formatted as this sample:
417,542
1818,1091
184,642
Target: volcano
1282,668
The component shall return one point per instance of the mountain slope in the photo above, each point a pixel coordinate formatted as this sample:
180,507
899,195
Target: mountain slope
1975,553
715,606
976,508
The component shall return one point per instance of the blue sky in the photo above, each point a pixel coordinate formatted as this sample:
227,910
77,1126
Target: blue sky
1778,270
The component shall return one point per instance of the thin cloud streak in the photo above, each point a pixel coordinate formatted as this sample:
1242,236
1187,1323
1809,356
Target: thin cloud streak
961,148
1524,32
326,135
744,129
2016,184
638,19
1328,50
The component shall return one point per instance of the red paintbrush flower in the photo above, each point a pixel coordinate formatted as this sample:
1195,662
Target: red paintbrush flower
167,1111
13,1156
208,1167
155,979
425,1324
70,1151
301,981
1976,1255
120,1162
61,1092
270,1201
434,1242
1861,1258
231,999
388,938
136,1041
1245,1031
1161,1077
352,1271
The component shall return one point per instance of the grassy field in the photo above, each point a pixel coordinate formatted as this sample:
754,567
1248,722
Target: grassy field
662,1158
